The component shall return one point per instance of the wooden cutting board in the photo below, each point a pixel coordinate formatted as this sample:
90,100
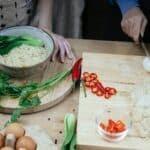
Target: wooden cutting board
121,72
49,97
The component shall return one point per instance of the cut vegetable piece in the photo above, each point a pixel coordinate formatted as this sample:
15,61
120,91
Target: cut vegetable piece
86,74
92,84
100,87
94,89
88,79
107,95
93,76
99,93
87,84
112,91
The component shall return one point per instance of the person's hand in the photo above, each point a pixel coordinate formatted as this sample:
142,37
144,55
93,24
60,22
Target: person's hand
134,23
62,46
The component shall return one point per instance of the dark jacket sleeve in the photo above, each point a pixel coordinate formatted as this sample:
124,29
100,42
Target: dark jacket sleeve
125,5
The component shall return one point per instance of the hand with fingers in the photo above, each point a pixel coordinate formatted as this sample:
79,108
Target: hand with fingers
134,23
62,46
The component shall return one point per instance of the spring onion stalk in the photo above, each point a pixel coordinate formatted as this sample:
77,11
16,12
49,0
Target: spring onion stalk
73,143
41,86
24,92
69,132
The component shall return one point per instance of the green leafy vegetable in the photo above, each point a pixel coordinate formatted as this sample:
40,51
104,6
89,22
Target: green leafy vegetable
9,42
34,101
25,92
73,143
69,132
16,115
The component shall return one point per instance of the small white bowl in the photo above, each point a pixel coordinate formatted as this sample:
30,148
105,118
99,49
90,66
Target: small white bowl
114,113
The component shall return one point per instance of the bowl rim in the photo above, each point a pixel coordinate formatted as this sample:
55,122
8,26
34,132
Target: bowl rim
37,64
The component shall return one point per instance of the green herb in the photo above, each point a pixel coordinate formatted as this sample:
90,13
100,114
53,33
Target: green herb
69,132
84,88
34,101
9,42
25,92
16,115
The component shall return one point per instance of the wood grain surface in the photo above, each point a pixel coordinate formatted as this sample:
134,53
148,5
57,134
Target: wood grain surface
122,72
51,120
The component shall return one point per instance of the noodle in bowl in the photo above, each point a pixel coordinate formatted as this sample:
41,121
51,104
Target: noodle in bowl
25,60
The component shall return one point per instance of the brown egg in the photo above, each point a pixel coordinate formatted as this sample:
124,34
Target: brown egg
6,148
16,129
2,140
26,142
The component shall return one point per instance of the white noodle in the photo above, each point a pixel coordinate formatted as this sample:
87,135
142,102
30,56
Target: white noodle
24,56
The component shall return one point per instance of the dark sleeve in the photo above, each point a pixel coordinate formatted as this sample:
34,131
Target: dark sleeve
125,5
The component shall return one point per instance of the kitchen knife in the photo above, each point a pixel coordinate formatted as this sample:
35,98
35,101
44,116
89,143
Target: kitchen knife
143,45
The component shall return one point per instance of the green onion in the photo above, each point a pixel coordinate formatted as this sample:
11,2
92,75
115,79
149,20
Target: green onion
69,132
24,92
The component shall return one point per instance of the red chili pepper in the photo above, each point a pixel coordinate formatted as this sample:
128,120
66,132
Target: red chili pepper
99,93
107,95
92,84
89,79
95,81
94,89
100,87
86,74
87,84
107,89
76,71
112,91
93,76
113,126
102,125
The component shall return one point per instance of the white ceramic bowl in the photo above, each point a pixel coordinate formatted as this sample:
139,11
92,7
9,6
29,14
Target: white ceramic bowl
21,72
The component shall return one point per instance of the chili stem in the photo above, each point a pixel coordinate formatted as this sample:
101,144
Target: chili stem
84,88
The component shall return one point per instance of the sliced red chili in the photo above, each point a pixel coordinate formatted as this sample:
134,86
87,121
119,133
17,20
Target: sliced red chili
107,89
86,74
94,89
112,91
113,127
100,87
92,84
89,79
87,84
93,76
102,126
99,93
107,95
95,81
111,122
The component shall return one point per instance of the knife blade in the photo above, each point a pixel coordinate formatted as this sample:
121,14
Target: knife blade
143,45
